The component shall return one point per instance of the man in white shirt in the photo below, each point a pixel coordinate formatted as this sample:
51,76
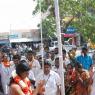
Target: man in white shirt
50,58
5,70
66,60
33,63
56,66
51,80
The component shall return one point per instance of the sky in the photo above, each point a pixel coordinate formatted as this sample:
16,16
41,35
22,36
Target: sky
17,14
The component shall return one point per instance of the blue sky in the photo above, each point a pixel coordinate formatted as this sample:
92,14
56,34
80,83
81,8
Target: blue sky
17,14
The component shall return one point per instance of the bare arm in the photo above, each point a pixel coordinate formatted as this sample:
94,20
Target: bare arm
15,90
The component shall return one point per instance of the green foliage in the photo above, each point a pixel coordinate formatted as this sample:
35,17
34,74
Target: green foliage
84,10
48,26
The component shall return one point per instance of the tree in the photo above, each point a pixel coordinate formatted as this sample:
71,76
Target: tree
83,10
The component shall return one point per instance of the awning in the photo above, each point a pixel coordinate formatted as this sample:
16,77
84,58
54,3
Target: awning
20,40
4,41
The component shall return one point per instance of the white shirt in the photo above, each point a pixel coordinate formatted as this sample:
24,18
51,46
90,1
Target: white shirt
36,68
31,75
57,70
5,76
66,61
51,61
52,81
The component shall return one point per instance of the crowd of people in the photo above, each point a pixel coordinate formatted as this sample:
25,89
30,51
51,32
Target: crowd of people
28,73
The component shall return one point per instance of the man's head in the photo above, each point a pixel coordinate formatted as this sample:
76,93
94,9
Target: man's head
30,55
22,69
47,67
5,58
56,50
57,62
16,59
64,53
48,55
84,50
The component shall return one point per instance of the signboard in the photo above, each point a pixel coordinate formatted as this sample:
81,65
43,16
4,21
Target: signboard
69,35
71,30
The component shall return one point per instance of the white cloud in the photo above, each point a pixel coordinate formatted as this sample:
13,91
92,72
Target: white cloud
17,14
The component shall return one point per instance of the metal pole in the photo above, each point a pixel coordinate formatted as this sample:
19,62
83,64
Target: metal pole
56,3
41,35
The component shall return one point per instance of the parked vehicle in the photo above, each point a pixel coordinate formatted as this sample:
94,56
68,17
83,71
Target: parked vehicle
53,45
66,46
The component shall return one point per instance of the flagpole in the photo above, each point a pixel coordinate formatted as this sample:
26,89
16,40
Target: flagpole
56,3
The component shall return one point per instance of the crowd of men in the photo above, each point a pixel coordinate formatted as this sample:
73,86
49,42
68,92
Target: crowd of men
25,74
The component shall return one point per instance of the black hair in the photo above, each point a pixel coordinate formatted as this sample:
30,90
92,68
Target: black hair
22,67
47,63
17,56
69,65
31,52
84,48
64,51
57,58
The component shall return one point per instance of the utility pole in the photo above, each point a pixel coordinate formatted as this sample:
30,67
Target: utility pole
56,3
